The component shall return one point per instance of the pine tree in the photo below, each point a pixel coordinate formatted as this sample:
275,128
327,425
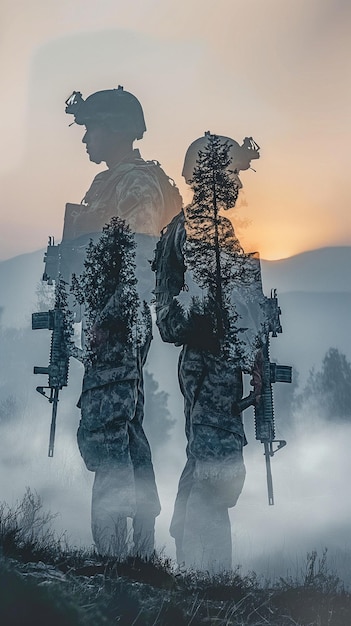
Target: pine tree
329,388
213,253
109,270
108,262
209,232
158,422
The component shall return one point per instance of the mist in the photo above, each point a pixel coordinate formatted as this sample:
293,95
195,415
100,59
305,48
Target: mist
312,507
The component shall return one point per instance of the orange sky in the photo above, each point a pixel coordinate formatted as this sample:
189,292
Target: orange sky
276,71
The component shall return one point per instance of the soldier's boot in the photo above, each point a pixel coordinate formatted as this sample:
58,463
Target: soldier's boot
207,543
180,558
110,535
144,535
113,501
177,532
178,518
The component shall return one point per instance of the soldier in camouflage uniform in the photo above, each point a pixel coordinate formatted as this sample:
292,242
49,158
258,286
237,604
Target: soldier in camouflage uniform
110,436
211,384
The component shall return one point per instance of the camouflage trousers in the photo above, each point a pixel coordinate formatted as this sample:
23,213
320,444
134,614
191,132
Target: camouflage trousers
214,474
113,444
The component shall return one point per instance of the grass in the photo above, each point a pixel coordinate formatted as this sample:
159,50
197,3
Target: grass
45,581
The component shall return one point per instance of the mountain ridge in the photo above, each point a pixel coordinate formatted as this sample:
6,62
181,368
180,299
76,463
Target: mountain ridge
281,260
324,270
320,270
307,252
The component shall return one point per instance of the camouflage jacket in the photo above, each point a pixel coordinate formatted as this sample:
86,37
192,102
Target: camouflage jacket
135,190
131,191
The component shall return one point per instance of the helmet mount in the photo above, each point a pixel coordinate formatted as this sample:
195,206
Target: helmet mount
117,109
241,155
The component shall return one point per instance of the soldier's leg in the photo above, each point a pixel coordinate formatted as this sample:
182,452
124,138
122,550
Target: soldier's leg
113,496
180,506
191,374
216,439
207,544
207,541
103,440
147,500
113,493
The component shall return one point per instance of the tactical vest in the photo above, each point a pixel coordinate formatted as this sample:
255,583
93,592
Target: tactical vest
171,196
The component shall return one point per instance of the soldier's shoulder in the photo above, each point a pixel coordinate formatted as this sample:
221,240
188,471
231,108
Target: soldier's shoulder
138,172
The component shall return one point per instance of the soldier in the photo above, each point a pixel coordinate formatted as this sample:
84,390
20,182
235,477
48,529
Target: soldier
110,435
220,331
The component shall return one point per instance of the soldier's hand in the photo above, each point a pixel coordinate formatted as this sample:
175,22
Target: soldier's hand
98,337
257,375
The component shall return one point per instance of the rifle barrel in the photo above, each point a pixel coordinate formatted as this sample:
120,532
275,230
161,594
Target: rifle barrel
267,454
54,401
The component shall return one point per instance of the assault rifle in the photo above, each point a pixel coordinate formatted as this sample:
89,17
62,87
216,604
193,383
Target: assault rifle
263,404
59,321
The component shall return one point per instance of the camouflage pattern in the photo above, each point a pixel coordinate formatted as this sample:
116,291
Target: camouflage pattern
176,289
131,190
113,444
210,387
114,355
214,474
103,430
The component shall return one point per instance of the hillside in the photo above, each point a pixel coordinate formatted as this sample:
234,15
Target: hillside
19,277
44,582
325,270
312,322
321,270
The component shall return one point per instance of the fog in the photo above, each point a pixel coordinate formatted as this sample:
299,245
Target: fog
310,475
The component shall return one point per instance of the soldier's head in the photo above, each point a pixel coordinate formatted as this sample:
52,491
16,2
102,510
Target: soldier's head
241,156
113,119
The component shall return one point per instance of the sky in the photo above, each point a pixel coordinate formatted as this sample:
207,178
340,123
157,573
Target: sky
272,70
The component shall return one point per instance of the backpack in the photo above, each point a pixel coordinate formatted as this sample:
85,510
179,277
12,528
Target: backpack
172,199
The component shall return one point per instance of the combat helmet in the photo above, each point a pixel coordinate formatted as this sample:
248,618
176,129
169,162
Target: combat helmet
241,155
115,108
